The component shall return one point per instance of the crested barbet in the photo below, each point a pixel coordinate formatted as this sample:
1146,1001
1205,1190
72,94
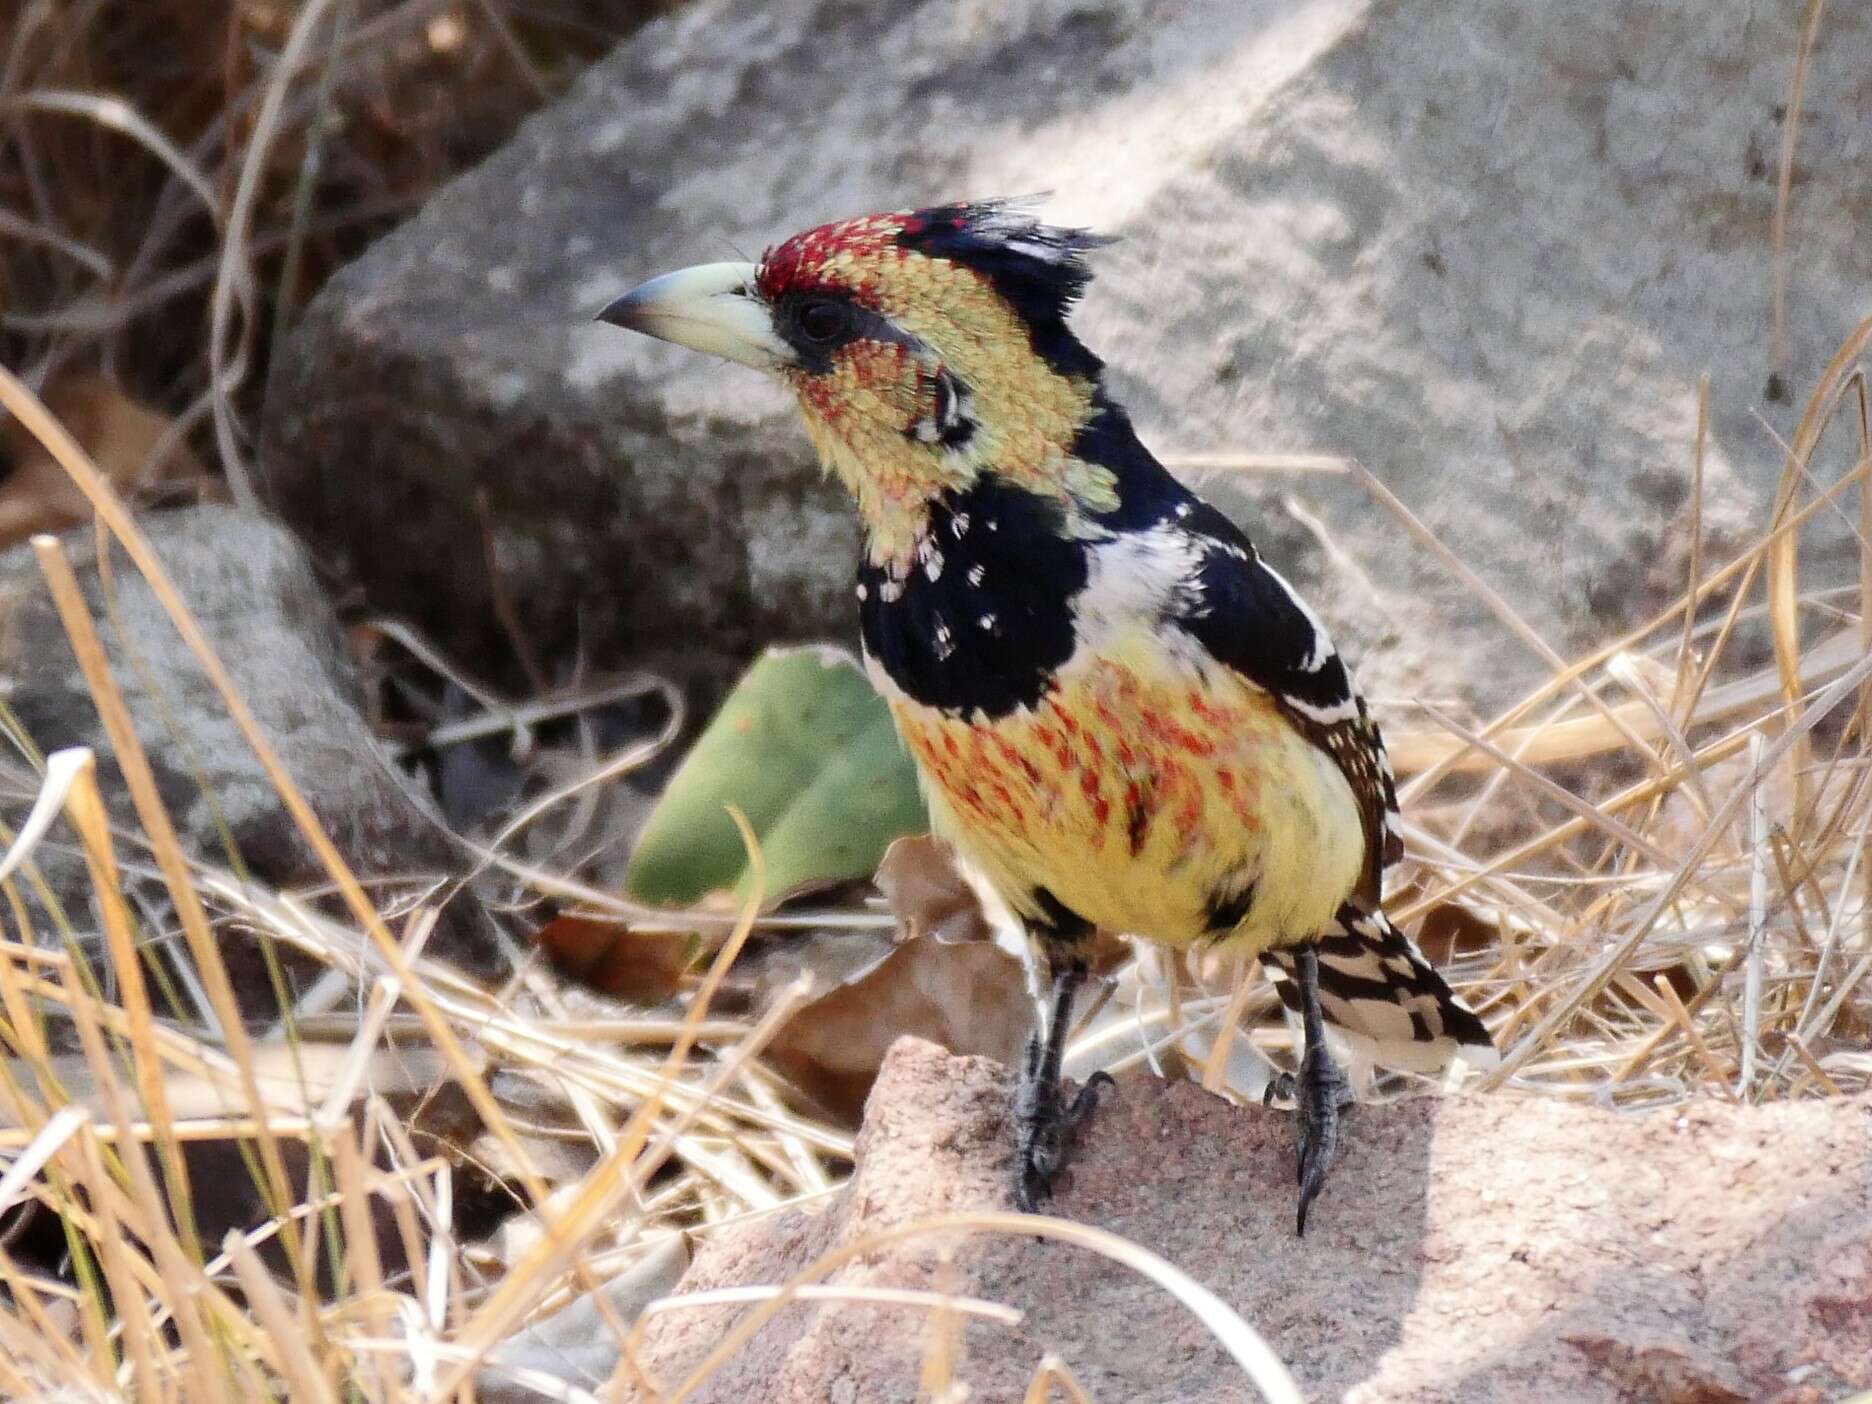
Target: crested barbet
1123,718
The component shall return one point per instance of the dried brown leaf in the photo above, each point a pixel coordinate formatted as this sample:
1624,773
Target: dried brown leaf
136,446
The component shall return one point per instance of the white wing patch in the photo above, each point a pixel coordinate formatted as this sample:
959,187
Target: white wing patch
1137,576
1326,716
1322,649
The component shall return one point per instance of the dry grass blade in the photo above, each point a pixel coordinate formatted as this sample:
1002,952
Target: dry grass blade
1052,1372
1695,583
45,1143
233,275
1262,1367
1566,799
1784,179
62,771
140,777
874,1296
1498,606
85,807
1434,757
136,1327
1328,465
1625,670
1784,554
1215,1066
145,1204
15,397
290,1354
122,117
1753,960
627,1166
13,226
1685,1024
1418,752
362,1260
1621,952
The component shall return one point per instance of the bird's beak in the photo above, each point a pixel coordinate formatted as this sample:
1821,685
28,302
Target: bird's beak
712,307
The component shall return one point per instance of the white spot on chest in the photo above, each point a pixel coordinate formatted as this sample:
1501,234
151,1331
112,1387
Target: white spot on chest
1136,577
1132,582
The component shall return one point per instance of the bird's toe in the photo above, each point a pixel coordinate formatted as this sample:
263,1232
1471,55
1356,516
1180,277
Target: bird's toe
1047,1124
1321,1091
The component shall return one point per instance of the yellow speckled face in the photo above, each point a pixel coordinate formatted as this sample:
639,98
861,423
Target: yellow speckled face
915,374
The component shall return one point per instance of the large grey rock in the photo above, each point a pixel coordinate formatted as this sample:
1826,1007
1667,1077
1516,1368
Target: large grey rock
1486,248
1466,1251
252,588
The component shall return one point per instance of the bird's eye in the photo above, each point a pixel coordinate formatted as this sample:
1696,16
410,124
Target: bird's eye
823,321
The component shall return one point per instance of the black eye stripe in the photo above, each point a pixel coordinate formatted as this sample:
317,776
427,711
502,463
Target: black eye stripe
818,319
817,323
823,320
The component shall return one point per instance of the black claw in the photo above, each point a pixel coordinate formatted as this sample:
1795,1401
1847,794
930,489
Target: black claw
1047,1124
1029,1189
1322,1091
1086,1102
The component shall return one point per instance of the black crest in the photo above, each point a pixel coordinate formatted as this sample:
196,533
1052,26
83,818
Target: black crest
1040,269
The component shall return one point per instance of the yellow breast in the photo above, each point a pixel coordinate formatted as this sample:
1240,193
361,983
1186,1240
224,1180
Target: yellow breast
1146,793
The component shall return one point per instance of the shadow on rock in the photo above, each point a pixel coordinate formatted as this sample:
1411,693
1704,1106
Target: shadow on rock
1208,1185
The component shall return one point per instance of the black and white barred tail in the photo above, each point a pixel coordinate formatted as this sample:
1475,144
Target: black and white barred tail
1381,996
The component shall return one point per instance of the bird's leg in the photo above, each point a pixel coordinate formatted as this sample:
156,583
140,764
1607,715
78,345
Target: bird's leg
1318,1093
1045,1123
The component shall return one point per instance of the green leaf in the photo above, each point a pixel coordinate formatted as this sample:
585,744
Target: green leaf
806,749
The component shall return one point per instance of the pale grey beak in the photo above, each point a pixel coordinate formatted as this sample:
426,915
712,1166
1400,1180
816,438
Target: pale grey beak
712,307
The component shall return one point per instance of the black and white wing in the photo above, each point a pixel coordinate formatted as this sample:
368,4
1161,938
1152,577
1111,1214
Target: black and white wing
1249,618
1375,986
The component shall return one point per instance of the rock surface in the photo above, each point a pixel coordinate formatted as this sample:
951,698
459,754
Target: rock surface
252,588
1478,1249
1485,248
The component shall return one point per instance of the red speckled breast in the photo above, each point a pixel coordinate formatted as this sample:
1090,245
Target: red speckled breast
1134,795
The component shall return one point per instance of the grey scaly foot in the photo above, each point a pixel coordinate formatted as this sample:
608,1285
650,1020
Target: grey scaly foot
1044,1119
1318,1093
1047,1123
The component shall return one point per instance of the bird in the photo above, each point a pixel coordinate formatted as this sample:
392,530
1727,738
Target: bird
1123,718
